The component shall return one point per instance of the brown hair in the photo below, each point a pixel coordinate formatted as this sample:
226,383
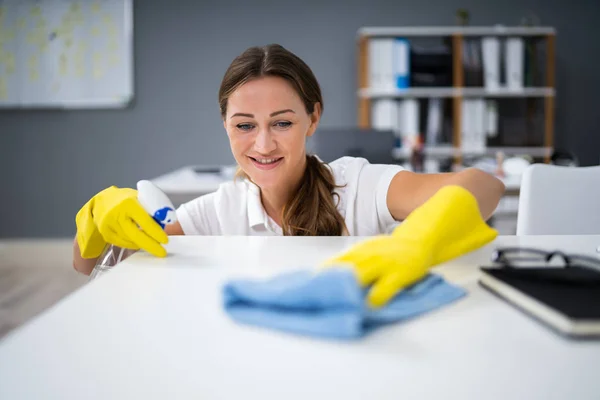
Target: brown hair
312,212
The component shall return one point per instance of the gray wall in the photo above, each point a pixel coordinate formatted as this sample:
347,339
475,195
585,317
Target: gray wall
53,161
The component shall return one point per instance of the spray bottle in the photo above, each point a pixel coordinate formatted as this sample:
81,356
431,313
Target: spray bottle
160,208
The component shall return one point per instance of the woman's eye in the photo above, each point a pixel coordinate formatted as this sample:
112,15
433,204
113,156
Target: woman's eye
245,127
283,124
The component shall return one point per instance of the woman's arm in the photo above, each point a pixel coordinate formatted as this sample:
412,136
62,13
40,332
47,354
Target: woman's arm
83,265
86,265
174,229
409,190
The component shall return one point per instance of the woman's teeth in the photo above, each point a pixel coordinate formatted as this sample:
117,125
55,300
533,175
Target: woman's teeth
267,160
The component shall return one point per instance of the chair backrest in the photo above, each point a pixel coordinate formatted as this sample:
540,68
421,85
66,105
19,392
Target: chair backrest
556,200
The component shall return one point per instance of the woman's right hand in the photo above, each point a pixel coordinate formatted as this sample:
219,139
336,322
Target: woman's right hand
115,216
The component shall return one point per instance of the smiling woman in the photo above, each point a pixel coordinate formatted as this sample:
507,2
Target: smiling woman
270,103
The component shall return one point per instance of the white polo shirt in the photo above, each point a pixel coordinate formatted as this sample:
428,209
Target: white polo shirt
236,208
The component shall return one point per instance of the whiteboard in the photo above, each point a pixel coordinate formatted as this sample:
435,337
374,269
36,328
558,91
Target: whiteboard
66,53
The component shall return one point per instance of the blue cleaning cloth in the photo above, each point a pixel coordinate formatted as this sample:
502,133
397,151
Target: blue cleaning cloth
328,304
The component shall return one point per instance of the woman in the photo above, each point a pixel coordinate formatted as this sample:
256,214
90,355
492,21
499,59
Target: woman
270,103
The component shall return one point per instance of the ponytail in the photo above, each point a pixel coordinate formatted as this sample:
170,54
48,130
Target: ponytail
312,211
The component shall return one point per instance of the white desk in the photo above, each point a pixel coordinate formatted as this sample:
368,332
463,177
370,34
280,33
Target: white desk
155,329
189,182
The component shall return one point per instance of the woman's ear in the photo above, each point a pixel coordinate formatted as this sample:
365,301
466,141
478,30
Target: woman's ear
315,117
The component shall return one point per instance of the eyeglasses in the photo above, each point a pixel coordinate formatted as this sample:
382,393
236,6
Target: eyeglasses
520,257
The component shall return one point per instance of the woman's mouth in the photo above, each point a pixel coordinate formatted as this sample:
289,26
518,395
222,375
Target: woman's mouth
266,163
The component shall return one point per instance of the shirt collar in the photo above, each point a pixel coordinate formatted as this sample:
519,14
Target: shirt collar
256,212
257,216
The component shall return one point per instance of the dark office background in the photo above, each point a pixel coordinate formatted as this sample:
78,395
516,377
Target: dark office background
53,161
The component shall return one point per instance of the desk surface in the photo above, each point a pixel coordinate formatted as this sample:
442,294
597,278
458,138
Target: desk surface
155,329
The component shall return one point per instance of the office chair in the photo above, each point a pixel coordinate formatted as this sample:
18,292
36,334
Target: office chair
559,200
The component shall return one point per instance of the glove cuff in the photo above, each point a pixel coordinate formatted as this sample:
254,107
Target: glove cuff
90,241
450,202
449,224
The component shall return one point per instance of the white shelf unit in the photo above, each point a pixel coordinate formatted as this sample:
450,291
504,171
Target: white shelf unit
449,92
450,151
458,91
420,31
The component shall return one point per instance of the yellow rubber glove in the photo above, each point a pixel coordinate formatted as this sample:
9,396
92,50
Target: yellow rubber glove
446,226
115,216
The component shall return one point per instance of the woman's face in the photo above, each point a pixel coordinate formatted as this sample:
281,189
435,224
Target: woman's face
267,125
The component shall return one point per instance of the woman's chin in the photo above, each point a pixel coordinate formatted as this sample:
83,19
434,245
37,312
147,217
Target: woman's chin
264,181
267,178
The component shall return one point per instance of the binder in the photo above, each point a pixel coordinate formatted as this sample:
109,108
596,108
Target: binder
472,64
466,142
376,114
430,66
384,114
434,122
408,120
387,61
491,62
491,118
514,63
375,67
401,63
478,114
388,64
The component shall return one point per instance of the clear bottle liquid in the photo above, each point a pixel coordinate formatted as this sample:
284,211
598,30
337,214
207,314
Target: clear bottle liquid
111,256
160,208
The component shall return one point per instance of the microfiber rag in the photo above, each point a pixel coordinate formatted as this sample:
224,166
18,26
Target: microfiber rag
329,303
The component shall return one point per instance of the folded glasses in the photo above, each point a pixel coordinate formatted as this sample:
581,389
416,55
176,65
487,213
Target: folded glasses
522,257
550,266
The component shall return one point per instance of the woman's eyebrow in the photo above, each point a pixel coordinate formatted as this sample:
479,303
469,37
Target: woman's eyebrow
272,114
282,112
242,115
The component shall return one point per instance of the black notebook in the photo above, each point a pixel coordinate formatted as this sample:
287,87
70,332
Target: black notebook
566,299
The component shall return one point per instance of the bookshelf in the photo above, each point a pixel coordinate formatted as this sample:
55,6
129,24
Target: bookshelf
458,91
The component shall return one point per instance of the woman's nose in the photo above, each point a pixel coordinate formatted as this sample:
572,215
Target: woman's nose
265,142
